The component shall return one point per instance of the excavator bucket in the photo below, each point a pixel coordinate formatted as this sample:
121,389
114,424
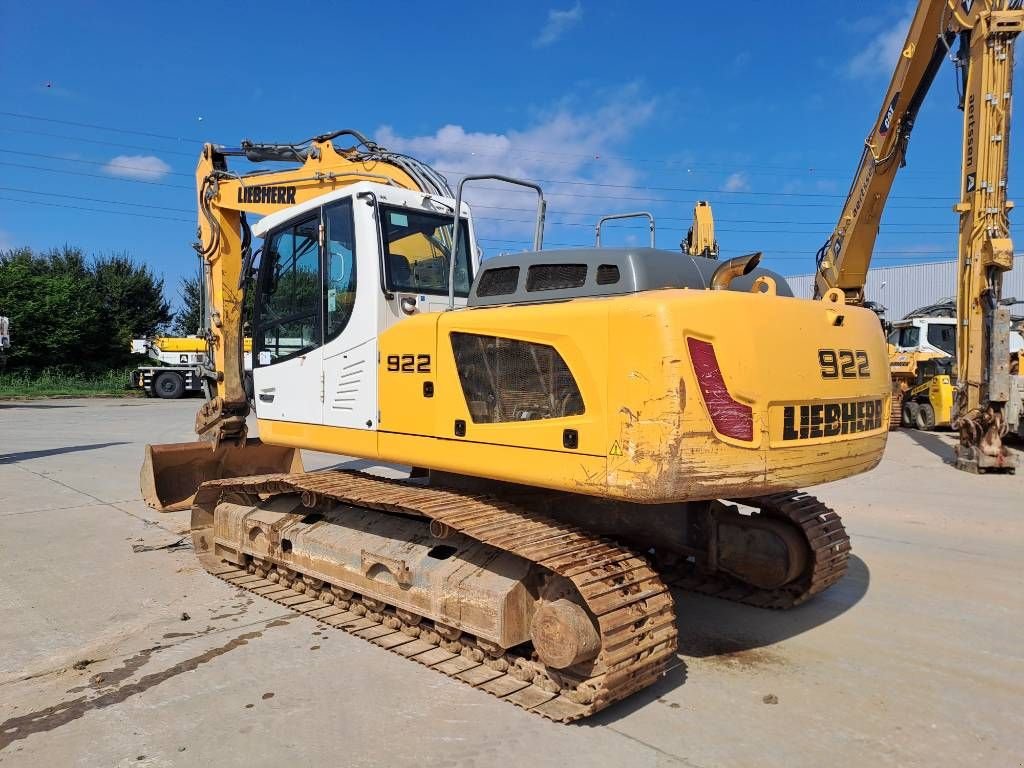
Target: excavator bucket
172,473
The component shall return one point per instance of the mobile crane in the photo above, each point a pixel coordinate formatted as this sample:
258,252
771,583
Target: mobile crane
984,32
179,362
549,400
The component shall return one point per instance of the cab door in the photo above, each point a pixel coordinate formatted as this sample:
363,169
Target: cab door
288,335
351,294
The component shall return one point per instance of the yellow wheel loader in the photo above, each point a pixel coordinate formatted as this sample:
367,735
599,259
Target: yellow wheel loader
586,427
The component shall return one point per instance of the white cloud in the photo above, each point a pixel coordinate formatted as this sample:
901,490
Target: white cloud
879,56
736,182
144,167
569,145
558,23
5,240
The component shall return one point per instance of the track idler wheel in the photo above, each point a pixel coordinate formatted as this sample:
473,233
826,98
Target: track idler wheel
563,634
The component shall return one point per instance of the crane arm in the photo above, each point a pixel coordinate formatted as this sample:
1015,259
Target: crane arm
225,198
844,259
700,239
985,250
986,31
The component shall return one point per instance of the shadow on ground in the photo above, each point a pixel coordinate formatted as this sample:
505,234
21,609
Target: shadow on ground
717,630
25,406
14,458
933,443
712,627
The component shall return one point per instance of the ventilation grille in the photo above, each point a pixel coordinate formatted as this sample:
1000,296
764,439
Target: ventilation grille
607,274
350,379
498,282
511,380
550,277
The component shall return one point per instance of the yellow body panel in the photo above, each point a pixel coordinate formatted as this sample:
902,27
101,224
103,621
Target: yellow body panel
180,344
903,365
188,344
646,433
939,392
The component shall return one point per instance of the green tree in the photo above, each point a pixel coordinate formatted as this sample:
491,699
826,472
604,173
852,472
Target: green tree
189,318
71,312
133,299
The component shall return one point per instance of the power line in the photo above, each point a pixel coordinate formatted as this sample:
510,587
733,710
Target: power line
94,175
570,195
772,253
95,199
92,210
484,150
701,191
94,126
99,141
105,164
497,219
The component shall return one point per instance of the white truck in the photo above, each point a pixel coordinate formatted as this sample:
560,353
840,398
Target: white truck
178,362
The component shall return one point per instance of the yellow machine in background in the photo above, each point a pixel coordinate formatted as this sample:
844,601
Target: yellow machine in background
984,33
929,404
921,359
179,365
700,238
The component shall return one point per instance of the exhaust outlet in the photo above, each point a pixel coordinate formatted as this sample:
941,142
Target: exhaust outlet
733,268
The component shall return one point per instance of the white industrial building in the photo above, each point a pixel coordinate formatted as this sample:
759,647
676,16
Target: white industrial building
902,289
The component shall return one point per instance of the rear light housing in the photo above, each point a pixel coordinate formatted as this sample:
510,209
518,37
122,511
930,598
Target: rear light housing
730,417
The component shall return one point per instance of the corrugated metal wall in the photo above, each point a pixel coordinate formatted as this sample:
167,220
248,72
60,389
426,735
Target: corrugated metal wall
902,289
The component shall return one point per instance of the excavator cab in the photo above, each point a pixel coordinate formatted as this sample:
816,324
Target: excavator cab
334,272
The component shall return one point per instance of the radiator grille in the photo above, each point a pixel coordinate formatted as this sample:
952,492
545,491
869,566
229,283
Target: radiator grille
550,277
511,380
498,282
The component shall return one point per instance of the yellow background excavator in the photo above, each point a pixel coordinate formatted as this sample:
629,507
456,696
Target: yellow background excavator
979,37
562,410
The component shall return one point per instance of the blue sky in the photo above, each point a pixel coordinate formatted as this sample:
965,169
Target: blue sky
614,106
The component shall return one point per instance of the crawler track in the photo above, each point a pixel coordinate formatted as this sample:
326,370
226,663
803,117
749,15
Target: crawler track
826,537
632,607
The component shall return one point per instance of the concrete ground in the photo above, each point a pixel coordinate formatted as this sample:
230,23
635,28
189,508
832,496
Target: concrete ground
112,657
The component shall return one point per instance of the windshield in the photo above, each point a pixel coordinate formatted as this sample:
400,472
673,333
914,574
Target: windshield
904,337
417,252
942,336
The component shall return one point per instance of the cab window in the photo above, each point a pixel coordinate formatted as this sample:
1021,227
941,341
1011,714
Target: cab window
288,304
909,336
943,336
339,268
417,252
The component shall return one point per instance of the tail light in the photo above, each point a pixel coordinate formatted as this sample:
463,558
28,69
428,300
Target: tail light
731,418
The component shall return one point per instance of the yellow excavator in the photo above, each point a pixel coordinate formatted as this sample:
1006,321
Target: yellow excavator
550,402
983,33
585,428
